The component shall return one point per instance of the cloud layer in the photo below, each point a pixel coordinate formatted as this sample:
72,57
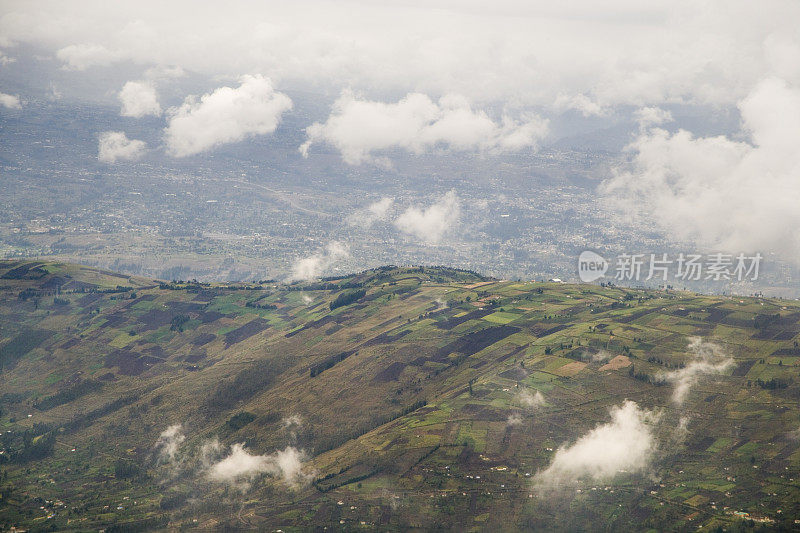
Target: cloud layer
430,224
626,443
224,116
591,55
357,127
115,145
726,194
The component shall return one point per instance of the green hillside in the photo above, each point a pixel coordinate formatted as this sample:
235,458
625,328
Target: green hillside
397,398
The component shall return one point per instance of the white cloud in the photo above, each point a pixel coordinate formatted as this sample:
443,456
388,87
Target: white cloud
357,128
625,444
139,98
10,101
6,60
115,145
364,218
224,116
708,358
431,224
169,442
83,56
240,467
530,401
315,265
288,464
235,466
725,194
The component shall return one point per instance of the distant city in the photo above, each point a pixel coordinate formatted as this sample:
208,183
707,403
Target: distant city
249,212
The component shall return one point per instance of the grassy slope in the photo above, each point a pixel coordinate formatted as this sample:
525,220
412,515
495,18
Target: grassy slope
105,373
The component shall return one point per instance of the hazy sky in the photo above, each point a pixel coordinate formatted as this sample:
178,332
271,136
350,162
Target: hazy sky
467,76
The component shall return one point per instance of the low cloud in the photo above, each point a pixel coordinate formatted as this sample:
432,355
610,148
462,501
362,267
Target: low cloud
600,356
83,56
681,430
6,60
10,101
169,442
530,400
239,467
726,194
357,128
514,419
374,212
292,425
625,444
432,223
292,421
226,115
315,265
115,145
708,358
233,465
139,99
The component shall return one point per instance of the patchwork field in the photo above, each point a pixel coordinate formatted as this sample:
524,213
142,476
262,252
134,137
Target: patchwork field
397,398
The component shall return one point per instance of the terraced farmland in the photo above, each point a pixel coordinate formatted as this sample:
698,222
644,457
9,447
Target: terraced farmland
437,399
